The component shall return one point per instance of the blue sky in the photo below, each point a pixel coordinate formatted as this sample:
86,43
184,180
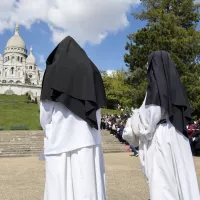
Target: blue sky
107,54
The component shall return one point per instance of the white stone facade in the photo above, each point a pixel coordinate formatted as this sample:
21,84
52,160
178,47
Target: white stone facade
19,72
20,89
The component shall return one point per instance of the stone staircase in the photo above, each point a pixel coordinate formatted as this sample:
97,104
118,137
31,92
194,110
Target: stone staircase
30,143
111,144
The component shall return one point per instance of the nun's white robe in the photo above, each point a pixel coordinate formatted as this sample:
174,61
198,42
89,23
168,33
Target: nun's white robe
165,155
73,155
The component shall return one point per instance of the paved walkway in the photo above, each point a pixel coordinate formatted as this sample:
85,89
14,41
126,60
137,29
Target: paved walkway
23,178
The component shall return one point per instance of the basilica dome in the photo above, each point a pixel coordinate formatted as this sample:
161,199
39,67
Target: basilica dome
31,58
16,43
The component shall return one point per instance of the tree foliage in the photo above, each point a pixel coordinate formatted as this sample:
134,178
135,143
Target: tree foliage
171,26
118,90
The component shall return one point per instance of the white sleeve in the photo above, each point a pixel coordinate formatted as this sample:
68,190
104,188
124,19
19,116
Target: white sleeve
46,111
149,117
129,135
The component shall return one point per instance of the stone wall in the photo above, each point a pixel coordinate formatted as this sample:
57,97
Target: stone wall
19,89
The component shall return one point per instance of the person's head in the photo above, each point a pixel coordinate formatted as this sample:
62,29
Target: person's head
157,58
166,90
72,79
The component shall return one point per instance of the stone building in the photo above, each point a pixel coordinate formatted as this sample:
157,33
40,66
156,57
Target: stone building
19,72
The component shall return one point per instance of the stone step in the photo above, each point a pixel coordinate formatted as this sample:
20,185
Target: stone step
30,143
21,143
22,152
19,153
41,139
37,153
40,149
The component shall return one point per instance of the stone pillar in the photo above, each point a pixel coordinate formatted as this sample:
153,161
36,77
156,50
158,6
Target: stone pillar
24,70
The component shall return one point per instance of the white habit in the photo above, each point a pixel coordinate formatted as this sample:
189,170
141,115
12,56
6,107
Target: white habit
73,154
165,155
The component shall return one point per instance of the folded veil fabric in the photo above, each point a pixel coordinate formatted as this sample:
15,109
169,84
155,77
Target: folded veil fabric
166,90
72,79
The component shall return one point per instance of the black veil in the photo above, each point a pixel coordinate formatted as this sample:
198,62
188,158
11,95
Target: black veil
166,90
72,79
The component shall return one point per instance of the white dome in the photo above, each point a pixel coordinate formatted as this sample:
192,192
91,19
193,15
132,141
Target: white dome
16,40
31,59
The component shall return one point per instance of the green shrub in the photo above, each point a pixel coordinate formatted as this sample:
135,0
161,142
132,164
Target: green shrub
29,97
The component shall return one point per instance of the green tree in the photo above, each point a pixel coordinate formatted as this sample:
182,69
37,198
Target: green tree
171,26
118,90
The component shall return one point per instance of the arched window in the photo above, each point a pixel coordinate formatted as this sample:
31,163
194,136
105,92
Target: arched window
30,67
8,58
4,81
21,59
12,70
17,58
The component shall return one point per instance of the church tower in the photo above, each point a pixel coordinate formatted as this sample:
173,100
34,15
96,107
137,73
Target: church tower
31,68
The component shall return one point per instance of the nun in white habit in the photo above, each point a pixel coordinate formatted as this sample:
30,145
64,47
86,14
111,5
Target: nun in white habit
160,125
71,98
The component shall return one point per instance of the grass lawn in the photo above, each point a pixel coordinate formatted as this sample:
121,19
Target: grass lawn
15,112
110,111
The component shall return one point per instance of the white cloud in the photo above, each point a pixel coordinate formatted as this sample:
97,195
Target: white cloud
111,72
86,20
41,59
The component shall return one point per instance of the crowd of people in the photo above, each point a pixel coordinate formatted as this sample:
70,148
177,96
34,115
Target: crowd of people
115,125
194,137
